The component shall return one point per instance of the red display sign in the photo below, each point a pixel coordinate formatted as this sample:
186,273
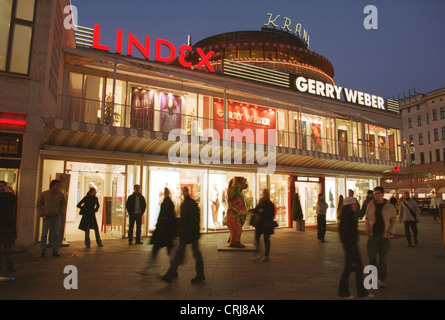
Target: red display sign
245,117
144,49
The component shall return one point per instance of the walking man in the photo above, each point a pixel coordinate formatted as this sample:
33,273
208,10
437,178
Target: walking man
136,206
51,204
380,226
189,233
409,213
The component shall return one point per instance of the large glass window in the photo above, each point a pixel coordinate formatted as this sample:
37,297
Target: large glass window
16,27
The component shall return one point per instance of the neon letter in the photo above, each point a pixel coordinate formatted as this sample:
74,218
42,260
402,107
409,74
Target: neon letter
133,41
161,42
96,36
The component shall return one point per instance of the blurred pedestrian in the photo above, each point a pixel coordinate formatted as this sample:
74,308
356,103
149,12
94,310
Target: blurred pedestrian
8,225
266,213
189,233
320,209
89,205
410,214
51,204
369,197
349,238
136,206
380,226
434,205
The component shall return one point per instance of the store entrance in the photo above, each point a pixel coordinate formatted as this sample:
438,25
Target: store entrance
308,192
109,182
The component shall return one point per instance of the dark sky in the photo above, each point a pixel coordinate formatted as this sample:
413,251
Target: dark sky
407,50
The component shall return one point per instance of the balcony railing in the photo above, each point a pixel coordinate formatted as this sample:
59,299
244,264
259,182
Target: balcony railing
103,112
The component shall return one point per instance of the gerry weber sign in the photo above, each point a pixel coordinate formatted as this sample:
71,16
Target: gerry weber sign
328,90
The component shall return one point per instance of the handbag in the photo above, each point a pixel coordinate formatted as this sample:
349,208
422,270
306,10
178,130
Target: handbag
255,220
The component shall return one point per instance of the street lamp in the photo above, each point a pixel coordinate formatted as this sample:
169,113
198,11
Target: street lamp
409,149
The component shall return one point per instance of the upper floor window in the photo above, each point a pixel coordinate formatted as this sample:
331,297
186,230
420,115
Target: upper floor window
16,27
419,120
410,122
434,114
420,138
442,113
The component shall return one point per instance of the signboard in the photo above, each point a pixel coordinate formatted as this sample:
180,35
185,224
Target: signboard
322,89
144,49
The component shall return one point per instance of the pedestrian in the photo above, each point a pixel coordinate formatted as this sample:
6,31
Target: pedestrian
348,229
380,226
136,206
89,205
266,213
189,233
8,225
51,204
410,214
369,197
166,230
320,209
434,205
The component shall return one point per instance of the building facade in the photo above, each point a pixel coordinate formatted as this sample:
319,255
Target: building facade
423,134
265,108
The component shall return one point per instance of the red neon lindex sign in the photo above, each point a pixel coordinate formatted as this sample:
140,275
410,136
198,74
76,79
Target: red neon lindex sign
144,49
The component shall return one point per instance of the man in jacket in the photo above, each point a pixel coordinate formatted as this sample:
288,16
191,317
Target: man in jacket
51,204
189,233
8,224
409,213
136,206
380,226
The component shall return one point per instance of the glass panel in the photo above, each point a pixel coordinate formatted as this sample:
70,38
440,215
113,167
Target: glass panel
330,197
119,100
92,93
109,182
20,51
25,10
10,176
308,192
5,21
141,112
279,193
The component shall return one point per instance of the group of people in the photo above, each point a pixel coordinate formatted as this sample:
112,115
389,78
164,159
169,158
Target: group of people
380,225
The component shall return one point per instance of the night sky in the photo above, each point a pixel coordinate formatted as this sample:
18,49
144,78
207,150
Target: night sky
405,53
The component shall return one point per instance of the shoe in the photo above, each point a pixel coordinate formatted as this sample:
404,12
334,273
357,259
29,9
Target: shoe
348,298
56,254
139,242
142,273
87,246
130,242
165,278
382,284
415,241
266,259
100,245
198,279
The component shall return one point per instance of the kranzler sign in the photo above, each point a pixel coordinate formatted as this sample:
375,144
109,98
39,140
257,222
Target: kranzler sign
161,46
323,89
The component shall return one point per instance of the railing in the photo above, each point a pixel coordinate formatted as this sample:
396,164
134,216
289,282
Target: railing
102,112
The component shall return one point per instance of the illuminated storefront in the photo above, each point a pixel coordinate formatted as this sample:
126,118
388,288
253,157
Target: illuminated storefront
239,113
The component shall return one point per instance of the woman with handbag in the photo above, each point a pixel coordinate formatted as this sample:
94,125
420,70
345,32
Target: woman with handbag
266,224
89,205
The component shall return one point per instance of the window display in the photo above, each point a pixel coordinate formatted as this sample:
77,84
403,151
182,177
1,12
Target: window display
142,108
170,112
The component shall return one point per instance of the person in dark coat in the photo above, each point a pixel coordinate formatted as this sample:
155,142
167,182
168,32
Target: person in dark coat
165,231
136,206
189,233
266,211
348,231
89,205
8,224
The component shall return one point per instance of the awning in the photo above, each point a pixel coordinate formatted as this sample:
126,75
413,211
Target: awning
424,190
441,190
400,191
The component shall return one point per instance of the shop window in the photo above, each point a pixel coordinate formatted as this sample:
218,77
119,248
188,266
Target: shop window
142,110
11,145
16,28
344,137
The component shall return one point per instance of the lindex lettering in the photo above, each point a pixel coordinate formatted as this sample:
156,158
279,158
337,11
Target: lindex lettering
144,49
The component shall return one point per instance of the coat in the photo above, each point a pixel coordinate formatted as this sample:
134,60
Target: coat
389,217
189,224
166,230
131,203
348,227
89,205
267,214
8,216
404,212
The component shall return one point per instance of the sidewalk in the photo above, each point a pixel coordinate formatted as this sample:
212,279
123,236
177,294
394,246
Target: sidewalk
300,268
